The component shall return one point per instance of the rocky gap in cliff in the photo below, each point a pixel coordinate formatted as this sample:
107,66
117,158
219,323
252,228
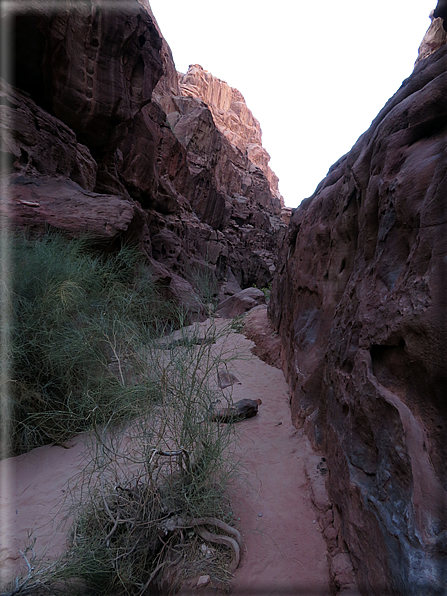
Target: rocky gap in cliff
375,399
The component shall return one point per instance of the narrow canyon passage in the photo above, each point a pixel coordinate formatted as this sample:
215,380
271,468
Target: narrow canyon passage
284,549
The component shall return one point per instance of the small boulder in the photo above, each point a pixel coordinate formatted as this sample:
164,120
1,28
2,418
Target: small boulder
342,573
203,580
226,379
240,303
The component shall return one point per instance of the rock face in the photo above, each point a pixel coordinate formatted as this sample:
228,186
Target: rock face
360,305
224,187
231,115
39,144
38,202
54,176
93,68
441,11
101,137
435,37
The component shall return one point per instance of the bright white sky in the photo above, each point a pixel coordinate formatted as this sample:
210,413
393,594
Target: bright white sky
315,74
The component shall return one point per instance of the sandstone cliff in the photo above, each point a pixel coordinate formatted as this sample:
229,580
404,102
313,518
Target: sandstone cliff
360,305
101,140
435,37
232,117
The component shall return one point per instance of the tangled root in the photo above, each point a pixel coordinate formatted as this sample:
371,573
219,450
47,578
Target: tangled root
234,543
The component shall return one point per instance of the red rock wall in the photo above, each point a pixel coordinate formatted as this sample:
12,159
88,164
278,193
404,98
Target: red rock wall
91,66
360,304
95,116
232,117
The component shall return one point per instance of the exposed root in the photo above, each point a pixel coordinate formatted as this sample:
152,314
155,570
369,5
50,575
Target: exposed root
234,543
220,539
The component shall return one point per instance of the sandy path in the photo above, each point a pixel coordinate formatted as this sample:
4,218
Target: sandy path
31,495
284,550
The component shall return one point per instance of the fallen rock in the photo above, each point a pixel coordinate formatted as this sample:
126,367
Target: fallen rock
240,303
319,492
176,288
229,287
203,580
330,535
258,328
226,379
342,574
240,410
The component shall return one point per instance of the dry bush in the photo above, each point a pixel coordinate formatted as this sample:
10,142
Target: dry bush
153,492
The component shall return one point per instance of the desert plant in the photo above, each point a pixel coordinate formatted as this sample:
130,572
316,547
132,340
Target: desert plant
237,324
165,473
203,278
266,290
92,350
154,490
78,318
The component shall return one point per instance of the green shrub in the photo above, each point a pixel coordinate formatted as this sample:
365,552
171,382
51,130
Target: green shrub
92,350
178,465
151,484
267,290
78,319
203,278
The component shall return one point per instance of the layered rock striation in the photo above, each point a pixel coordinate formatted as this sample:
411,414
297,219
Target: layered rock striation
360,304
98,119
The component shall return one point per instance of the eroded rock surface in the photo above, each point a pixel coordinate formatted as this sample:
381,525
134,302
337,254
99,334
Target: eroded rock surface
34,203
53,177
36,143
92,66
231,115
100,106
360,305
225,188
240,303
435,37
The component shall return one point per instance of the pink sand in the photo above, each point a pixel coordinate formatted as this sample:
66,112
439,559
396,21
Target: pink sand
284,550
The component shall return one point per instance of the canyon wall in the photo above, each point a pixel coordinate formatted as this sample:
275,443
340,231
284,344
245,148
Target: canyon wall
232,117
101,140
360,305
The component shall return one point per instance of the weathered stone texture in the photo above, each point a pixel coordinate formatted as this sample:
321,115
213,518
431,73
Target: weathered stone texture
240,303
99,65
232,117
435,37
91,65
51,177
360,305
34,203
93,73
36,143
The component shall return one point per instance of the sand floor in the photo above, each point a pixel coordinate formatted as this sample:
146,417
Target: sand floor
284,550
